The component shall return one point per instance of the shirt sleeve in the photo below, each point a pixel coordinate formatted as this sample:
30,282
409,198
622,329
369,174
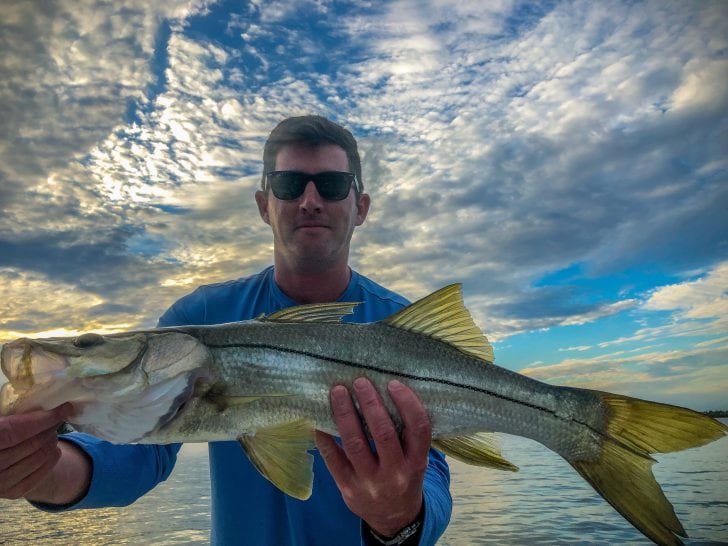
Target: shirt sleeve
438,501
174,316
120,473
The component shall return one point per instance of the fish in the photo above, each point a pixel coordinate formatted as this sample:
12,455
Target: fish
265,382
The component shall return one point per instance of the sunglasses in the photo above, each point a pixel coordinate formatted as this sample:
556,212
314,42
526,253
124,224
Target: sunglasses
331,185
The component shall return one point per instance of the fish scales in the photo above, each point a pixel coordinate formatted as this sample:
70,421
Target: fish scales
307,358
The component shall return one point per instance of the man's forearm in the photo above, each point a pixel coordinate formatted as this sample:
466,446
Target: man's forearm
68,481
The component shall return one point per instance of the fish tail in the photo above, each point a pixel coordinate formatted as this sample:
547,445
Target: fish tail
622,473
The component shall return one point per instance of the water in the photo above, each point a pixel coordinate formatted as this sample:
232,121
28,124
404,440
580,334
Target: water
545,503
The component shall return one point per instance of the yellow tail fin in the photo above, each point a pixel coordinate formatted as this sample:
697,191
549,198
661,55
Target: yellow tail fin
623,472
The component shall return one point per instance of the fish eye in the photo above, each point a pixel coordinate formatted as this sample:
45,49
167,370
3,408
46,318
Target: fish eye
90,339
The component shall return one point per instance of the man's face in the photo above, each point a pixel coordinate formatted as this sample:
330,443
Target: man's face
309,229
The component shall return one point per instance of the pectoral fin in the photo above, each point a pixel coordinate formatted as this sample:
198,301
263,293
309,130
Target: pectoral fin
280,454
479,449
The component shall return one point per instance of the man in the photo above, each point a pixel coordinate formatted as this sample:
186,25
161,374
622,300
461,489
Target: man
397,493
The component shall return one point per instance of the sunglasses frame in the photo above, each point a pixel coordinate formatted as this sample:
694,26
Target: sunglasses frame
303,179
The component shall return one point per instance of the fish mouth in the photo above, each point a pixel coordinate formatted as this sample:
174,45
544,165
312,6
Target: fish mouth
28,367
24,363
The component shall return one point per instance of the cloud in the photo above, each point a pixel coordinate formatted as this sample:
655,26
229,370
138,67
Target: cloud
30,304
68,73
694,377
697,308
502,143
577,348
70,76
690,354
703,298
552,153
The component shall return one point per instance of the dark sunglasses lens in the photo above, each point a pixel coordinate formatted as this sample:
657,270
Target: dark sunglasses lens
287,185
332,186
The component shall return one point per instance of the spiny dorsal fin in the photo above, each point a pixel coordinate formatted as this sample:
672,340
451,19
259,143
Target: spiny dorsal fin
480,449
280,453
443,315
313,312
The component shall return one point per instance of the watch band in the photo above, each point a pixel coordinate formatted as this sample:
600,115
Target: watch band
408,536
400,537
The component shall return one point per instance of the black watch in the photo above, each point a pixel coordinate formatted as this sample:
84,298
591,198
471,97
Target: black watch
400,538
407,536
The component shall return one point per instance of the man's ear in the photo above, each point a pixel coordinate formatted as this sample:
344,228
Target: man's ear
362,208
261,199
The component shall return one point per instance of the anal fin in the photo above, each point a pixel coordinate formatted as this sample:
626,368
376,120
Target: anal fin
480,449
280,453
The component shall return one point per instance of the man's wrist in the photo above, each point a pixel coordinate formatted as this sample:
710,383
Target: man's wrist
409,535
68,482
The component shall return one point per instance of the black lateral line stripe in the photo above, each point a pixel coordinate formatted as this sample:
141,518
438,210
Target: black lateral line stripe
379,370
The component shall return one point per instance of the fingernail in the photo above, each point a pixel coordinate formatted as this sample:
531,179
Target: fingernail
395,385
339,393
361,383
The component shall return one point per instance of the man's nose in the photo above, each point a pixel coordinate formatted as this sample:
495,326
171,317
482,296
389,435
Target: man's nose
310,199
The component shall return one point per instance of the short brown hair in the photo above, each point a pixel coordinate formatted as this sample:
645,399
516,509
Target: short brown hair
310,131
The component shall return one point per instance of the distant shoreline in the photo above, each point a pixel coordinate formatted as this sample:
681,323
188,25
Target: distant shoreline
716,413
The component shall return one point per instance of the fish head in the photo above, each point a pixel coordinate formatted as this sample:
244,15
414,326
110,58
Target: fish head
40,371
26,361
123,386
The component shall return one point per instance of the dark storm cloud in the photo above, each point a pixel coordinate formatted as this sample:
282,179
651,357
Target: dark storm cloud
101,265
546,303
112,309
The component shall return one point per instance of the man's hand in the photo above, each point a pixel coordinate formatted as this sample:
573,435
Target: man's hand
382,488
29,449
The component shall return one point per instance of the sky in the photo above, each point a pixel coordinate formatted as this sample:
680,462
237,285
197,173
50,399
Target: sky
567,162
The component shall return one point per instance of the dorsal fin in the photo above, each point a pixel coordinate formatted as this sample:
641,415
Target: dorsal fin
313,312
442,315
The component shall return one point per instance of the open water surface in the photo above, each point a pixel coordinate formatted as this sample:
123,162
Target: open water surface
546,502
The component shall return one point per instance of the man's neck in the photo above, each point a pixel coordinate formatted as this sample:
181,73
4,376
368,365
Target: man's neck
313,284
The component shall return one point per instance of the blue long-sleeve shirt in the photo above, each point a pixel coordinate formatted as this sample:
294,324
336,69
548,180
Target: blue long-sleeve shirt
247,508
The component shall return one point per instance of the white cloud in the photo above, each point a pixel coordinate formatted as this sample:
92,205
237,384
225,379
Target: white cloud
704,298
704,84
500,145
671,369
665,375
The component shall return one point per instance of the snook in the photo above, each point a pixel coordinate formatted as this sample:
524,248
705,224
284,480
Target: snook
266,382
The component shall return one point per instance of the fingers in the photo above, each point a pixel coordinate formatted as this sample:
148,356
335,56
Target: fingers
13,455
353,438
335,458
23,476
28,449
390,449
35,478
379,422
417,432
382,486
18,428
